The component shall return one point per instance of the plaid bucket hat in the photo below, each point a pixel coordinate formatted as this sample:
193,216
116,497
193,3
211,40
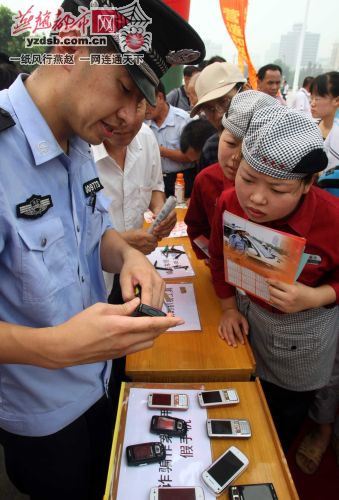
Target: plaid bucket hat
146,28
284,143
242,108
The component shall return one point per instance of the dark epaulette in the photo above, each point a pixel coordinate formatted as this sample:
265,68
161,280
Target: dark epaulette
6,121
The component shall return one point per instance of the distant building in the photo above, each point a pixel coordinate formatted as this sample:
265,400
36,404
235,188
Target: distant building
289,44
334,61
272,53
214,49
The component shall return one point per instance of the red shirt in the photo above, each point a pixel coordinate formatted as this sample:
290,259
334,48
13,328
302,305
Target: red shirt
208,185
316,219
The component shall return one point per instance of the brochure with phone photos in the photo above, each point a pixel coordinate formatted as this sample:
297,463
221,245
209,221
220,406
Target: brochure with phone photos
254,253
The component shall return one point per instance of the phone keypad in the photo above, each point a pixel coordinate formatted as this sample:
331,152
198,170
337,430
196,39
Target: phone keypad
182,400
231,395
244,427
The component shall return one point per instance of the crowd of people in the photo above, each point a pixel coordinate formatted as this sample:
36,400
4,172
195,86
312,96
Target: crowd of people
85,151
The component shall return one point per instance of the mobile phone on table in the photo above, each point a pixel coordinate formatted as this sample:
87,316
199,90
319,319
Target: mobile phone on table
177,493
215,398
167,401
262,491
228,428
226,468
168,425
145,453
145,310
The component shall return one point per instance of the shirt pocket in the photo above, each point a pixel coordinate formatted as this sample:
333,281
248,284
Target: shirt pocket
97,221
45,263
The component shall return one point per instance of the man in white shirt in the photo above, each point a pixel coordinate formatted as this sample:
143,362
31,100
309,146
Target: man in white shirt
302,97
167,123
129,168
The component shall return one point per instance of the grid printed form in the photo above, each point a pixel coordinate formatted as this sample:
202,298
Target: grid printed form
247,279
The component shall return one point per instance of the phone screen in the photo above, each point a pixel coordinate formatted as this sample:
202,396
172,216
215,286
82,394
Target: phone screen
225,468
221,427
176,494
257,492
166,423
211,397
161,399
141,451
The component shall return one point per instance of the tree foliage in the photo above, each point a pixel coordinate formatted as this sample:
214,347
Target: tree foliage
14,46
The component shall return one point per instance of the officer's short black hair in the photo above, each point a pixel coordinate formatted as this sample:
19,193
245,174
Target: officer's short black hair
268,67
195,134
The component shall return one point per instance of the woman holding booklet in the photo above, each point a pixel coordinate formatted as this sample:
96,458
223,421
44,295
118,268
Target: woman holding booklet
294,332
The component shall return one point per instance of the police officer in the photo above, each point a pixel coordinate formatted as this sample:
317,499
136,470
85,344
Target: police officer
56,238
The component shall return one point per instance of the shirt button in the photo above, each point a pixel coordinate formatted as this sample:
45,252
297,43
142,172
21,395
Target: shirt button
43,242
78,229
82,279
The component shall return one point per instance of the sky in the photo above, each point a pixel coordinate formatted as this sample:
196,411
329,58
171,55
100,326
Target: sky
266,21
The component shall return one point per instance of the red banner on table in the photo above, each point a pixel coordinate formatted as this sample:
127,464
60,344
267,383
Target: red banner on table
234,13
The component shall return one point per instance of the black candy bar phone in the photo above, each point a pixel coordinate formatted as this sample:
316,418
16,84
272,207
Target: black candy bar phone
145,310
145,453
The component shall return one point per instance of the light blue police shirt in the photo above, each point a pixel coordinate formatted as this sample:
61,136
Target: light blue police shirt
168,135
49,264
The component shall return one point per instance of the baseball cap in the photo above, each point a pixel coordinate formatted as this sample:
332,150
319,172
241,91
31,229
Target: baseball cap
215,81
242,108
283,143
147,28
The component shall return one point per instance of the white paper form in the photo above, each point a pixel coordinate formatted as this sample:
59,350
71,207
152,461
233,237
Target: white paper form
180,301
186,457
172,265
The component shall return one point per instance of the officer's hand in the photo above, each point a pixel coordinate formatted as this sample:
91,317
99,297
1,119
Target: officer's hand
137,270
105,331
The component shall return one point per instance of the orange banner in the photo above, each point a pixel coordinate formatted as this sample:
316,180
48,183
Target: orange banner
234,13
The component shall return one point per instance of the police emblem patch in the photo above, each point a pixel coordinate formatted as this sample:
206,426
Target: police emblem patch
34,207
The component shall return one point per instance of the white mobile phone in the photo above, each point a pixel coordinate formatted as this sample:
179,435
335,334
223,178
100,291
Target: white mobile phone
177,493
226,468
165,401
219,397
228,428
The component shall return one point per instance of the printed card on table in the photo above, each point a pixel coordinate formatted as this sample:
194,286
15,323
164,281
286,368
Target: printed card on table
171,262
180,301
253,253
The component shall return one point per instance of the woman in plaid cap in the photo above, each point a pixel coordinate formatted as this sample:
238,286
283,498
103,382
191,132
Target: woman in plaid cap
210,182
294,336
